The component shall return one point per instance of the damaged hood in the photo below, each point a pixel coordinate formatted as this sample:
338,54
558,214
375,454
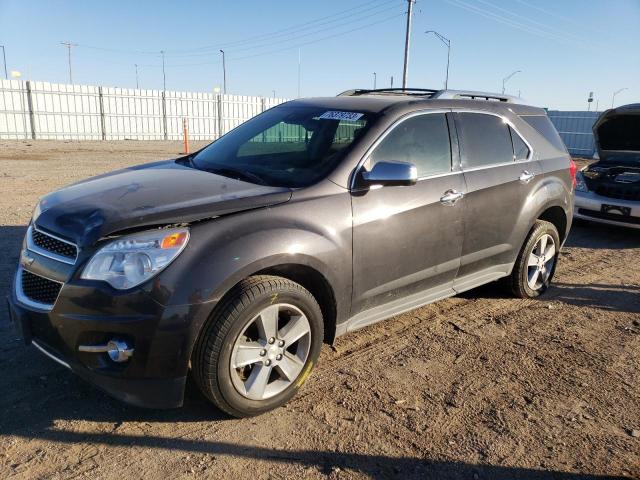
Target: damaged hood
617,135
152,194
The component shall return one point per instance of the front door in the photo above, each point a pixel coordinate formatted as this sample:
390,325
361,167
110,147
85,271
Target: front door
407,240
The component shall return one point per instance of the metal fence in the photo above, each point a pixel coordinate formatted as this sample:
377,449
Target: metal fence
575,130
42,110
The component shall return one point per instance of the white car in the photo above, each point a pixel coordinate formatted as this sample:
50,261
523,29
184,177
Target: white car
608,191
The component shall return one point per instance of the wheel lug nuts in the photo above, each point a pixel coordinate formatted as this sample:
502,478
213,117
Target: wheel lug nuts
281,343
263,353
267,362
272,340
279,357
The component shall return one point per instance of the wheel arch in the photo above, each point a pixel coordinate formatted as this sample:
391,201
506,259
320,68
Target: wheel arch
558,217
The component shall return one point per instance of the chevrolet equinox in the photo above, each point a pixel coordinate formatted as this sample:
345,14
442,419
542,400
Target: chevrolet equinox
313,219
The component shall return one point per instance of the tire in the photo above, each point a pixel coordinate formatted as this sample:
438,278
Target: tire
520,281
238,330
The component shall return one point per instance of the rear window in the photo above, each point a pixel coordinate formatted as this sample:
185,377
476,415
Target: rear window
484,140
545,128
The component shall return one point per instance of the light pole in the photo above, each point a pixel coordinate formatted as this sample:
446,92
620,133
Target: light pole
274,93
447,43
613,98
407,44
4,60
137,84
224,73
506,79
374,80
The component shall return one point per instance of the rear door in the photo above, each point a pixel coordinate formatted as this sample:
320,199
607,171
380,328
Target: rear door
500,173
406,240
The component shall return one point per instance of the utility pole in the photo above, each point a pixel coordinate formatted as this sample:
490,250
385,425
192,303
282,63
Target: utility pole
224,73
447,43
164,76
69,45
137,84
4,60
506,79
407,44
299,71
374,80
613,98
391,81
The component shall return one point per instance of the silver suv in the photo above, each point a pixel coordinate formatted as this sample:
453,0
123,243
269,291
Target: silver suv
314,219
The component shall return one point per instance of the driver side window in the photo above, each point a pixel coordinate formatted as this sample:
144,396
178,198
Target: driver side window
422,140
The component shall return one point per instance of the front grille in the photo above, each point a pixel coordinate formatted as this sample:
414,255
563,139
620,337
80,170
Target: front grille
39,289
621,192
609,216
53,245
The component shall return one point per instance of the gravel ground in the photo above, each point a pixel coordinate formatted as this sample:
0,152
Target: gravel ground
480,386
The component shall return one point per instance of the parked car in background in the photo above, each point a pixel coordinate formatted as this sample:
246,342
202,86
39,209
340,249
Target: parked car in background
313,219
608,191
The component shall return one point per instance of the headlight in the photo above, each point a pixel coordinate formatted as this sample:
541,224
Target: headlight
581,184
131,260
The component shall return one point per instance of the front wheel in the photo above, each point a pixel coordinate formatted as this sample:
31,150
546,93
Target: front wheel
536,263
259,347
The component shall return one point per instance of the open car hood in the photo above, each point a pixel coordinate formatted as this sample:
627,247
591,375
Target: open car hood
153,194
617,135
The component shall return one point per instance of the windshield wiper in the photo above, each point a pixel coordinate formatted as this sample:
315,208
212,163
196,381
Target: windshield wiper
238,175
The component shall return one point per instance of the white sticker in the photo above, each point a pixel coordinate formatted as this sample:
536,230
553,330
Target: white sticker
336,115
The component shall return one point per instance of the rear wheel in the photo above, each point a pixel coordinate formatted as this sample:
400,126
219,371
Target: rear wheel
259,347
536,263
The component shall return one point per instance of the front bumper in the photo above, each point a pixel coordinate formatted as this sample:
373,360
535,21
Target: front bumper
588,206
162,337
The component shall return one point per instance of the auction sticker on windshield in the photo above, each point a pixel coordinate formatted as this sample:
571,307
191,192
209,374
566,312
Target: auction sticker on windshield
336,115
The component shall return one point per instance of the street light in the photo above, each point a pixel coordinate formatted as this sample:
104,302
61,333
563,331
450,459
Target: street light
506,79
613,98
224,73
447,43
374,80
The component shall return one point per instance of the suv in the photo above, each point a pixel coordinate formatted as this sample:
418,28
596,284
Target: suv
608,191
313,219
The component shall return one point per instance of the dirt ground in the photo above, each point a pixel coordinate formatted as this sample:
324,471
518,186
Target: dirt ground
480,386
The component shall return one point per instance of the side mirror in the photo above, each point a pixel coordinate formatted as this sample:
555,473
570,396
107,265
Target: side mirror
391,174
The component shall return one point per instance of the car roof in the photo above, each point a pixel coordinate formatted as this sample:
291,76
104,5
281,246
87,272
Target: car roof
400,103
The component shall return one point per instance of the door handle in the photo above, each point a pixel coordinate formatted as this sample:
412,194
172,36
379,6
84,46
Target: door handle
526,176
450,197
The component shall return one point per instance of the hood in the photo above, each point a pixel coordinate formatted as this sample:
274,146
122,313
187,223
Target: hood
617,135
152,194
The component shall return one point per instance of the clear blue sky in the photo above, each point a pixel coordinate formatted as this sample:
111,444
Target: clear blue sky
565,48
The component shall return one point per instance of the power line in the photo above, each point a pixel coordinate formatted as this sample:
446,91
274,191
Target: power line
293,28
292,38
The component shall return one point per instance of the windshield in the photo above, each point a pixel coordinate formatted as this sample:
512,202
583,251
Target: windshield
286,146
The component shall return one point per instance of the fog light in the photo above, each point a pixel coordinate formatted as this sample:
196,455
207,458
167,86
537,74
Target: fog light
118,350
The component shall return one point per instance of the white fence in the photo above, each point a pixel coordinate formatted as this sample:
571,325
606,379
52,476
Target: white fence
42,110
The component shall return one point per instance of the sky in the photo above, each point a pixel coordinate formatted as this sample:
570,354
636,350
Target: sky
564,49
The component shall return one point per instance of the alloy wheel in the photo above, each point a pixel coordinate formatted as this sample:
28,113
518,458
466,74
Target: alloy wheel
270,352
541,262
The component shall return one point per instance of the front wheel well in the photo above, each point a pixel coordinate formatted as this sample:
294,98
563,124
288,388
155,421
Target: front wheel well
317,285
558,217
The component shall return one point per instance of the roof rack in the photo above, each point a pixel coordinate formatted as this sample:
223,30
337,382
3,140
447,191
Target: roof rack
473,95
436,94
422,92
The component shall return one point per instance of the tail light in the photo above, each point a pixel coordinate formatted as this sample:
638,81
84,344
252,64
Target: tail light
573,170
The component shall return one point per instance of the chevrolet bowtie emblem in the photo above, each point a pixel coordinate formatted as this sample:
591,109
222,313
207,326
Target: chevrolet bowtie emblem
26,258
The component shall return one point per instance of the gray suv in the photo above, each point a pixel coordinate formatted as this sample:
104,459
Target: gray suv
314,219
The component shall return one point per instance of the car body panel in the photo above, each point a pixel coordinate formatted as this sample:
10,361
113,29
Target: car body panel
380,251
